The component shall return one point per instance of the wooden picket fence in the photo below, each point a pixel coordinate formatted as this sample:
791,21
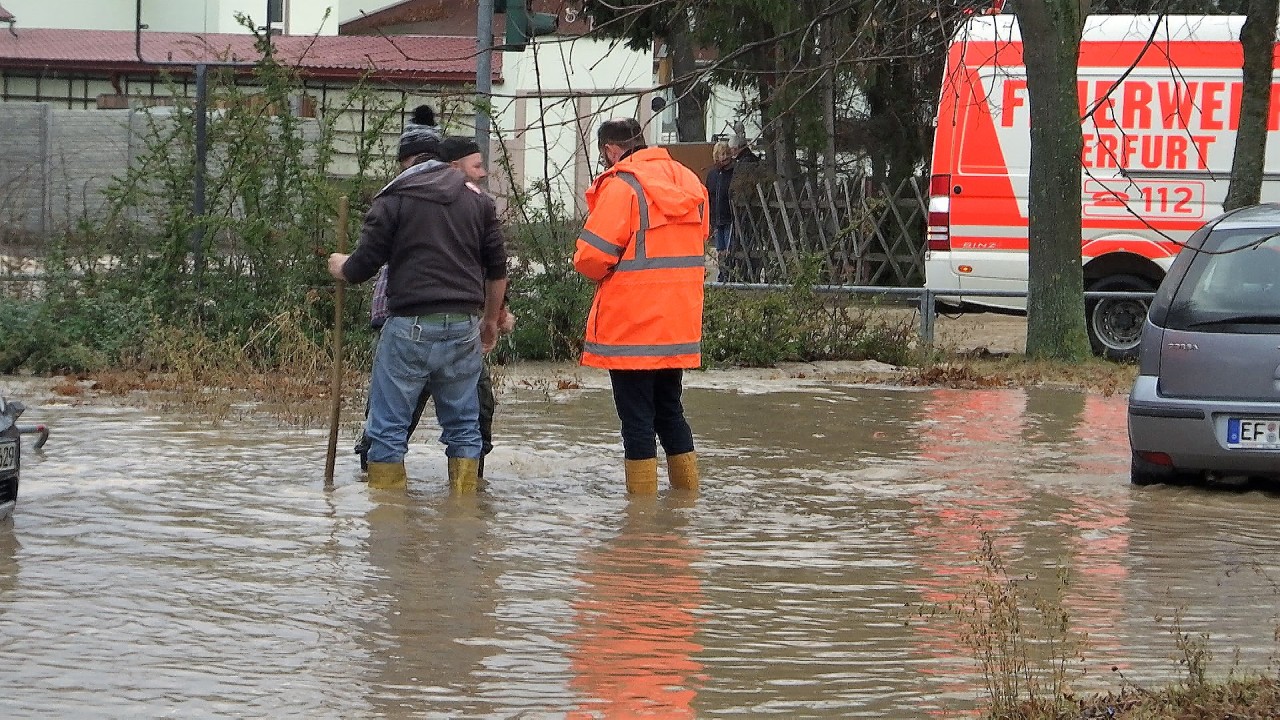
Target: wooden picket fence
857,237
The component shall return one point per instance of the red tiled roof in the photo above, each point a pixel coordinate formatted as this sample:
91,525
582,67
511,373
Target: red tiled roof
5,15
402,57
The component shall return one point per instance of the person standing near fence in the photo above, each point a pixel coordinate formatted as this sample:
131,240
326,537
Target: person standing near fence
719,178
644,245
446,276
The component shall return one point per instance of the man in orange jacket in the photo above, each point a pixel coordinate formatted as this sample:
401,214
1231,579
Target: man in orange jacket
643,245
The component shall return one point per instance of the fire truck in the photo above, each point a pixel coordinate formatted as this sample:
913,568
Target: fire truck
1159,98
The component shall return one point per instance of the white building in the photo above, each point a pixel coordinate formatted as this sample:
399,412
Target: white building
547,100
297,17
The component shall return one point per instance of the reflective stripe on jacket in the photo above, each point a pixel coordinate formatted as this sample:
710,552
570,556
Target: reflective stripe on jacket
644,245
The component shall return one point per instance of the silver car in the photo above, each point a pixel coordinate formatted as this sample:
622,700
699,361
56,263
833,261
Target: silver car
1207,399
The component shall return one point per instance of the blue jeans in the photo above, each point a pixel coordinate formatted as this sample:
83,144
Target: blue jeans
723,237
413,354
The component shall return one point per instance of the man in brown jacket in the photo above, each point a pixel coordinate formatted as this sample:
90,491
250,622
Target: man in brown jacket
446,262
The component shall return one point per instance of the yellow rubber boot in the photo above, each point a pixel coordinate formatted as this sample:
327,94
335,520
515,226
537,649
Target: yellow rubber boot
387,476
463,474
682,470
642,476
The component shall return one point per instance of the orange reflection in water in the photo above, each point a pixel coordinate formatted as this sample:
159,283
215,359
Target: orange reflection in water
1006,462
966,439
633,651
1099,544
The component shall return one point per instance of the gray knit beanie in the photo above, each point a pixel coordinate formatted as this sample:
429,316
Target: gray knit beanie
421,135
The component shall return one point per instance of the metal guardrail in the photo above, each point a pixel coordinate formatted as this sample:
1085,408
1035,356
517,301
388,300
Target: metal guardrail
926,298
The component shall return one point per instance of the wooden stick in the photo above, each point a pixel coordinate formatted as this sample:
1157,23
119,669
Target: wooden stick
335,386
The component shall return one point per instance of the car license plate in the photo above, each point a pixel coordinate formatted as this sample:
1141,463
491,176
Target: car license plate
1253,433
8,455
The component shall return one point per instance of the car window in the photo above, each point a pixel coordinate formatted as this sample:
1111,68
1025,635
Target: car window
1240,286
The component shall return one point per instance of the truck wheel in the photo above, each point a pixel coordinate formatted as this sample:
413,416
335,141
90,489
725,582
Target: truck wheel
1115,324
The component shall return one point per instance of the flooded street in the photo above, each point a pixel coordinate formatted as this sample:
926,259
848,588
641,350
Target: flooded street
162,566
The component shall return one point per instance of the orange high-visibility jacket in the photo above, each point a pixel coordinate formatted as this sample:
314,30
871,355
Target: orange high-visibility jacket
643,244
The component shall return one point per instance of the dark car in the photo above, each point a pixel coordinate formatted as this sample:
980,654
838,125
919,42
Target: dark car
10,455
1206,402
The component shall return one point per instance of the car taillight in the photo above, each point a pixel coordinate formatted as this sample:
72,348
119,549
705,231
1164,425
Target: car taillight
1156,458
939,234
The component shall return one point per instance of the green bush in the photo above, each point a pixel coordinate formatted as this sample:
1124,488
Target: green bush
249,272
20,333
74,333
755,329
551,313
549,298
763,328
750,328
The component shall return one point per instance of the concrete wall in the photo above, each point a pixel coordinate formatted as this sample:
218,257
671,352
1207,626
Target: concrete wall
87,149
23,165
55,164
351,116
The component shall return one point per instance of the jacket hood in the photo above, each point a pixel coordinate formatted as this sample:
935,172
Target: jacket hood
432,180
670,188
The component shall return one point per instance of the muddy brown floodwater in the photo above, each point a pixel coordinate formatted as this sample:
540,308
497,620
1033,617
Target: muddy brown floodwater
158,565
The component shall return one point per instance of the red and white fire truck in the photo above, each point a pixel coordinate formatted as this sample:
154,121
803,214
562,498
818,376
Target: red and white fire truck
1160,99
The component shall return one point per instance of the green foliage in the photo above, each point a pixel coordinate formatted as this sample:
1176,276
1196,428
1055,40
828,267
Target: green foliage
152,265
243,287
755,330
549,299
637,22
268,205
73,333
20,333
763,328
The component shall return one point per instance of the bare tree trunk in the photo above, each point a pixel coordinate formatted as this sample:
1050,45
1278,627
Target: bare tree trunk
691,93
769,129
1257,38
784,122
788,164
783,136
1055,302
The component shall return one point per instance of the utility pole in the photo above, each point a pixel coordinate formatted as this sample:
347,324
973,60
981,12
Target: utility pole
484,74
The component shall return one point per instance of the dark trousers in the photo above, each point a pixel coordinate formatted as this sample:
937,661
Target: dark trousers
648,403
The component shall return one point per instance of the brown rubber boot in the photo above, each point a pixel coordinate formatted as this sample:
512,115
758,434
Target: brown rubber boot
682,471
642,476
463,474
387,476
